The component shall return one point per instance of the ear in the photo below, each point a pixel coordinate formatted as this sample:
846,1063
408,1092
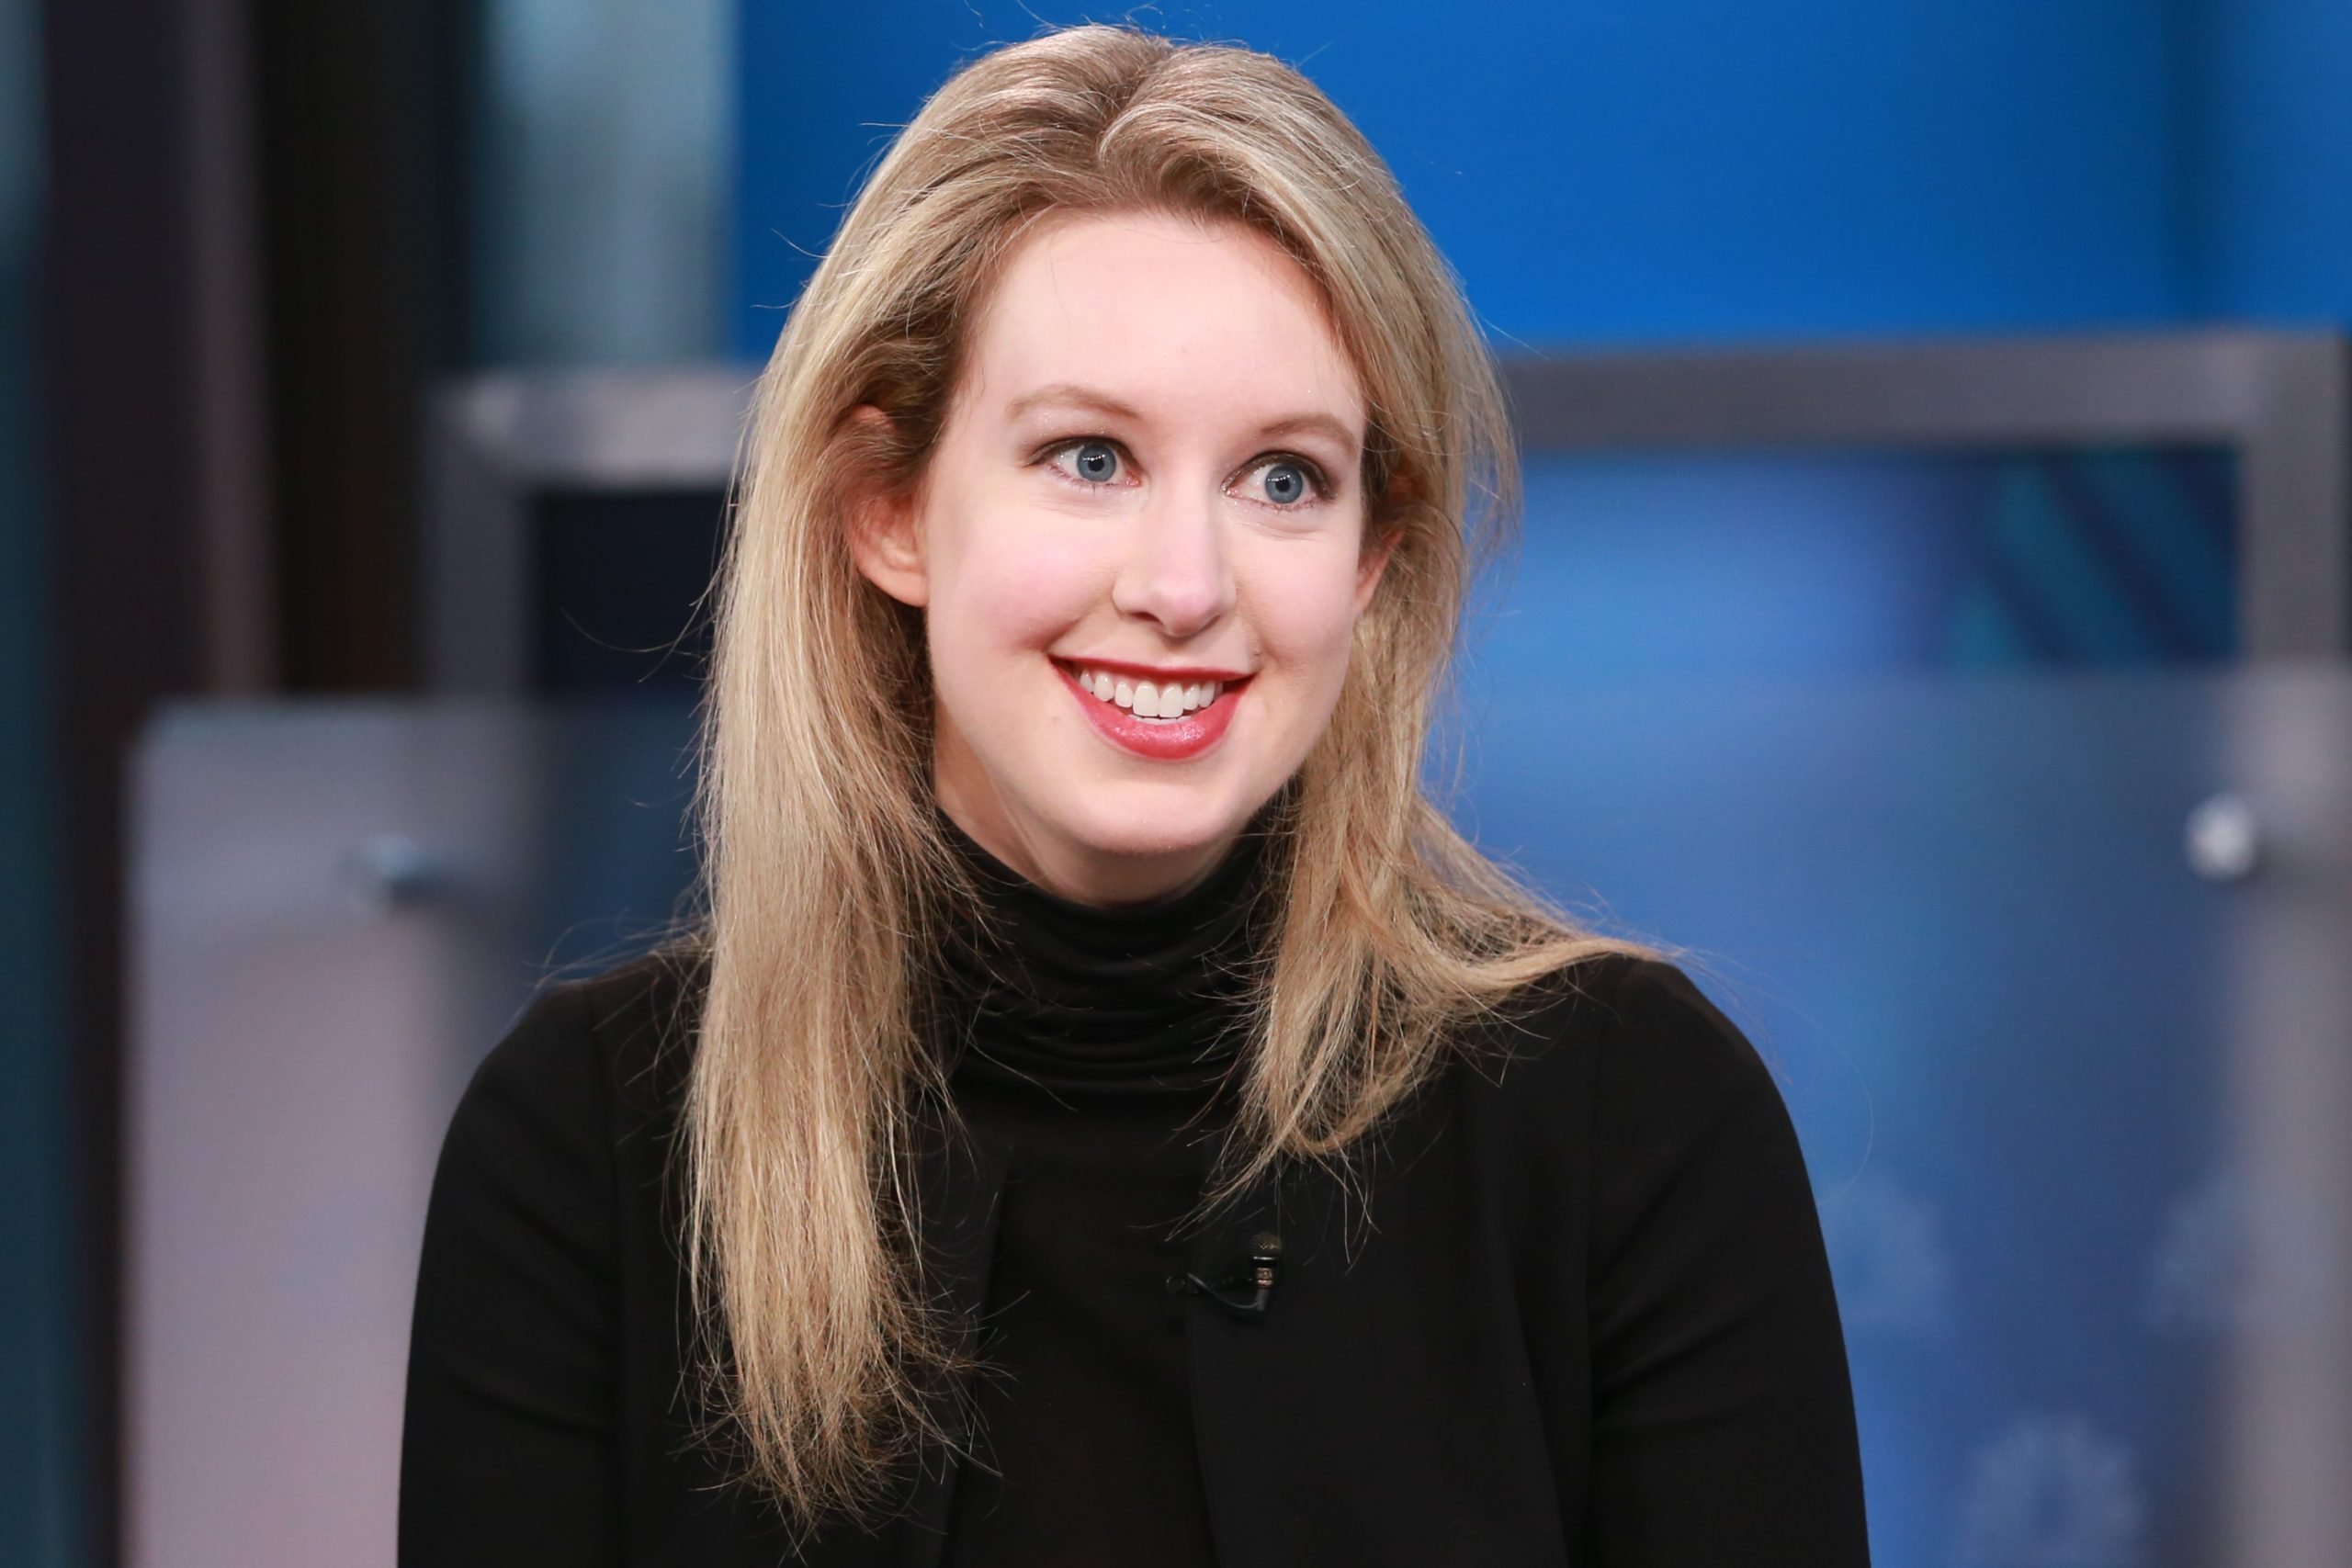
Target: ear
1374,562
885,532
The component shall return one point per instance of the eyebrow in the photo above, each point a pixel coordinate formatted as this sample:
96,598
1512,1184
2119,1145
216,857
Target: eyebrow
1069,394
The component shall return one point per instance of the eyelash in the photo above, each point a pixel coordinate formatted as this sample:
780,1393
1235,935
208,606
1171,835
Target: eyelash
1318,485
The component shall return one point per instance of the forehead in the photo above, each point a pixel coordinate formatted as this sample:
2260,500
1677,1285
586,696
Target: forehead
1166,314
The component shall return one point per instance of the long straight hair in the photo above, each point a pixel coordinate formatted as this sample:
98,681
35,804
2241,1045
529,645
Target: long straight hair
826,883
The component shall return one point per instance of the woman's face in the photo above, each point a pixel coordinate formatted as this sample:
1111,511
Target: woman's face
1140,548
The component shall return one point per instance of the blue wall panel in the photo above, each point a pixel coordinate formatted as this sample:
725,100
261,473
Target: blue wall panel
2274,164
1608,172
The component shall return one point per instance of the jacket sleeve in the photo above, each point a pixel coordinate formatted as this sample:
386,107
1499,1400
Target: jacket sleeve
508,1452
1723,1411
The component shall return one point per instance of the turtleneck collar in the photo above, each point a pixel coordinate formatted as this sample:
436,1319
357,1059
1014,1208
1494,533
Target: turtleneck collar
1137,998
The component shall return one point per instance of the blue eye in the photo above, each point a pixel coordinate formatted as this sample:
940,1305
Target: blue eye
1287,482
1096,462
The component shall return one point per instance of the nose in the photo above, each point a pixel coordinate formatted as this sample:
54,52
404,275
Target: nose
1177,573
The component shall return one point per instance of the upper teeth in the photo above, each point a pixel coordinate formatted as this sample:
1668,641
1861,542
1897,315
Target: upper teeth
1150,700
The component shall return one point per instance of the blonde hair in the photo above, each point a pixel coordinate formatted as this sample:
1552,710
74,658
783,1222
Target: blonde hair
826,881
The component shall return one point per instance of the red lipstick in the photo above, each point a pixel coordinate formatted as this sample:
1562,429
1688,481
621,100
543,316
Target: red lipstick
1161,740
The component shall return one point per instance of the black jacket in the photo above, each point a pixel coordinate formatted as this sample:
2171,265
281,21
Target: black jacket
1588,1322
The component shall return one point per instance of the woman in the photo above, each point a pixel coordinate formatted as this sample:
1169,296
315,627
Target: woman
1106,1114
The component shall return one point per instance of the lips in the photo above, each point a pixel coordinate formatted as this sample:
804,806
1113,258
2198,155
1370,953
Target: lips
1159,741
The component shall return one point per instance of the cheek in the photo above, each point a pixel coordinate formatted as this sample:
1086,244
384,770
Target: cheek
1306,617
1003,589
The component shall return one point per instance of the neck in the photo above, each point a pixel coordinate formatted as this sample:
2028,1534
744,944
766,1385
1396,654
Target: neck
1048,994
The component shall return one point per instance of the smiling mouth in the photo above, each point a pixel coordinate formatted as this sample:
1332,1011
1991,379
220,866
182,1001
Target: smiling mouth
1155,701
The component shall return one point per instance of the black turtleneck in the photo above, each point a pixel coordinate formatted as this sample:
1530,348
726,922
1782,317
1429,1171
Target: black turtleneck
1096,1045
1596,1322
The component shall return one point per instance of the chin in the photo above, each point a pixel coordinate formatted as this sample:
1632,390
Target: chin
1151,819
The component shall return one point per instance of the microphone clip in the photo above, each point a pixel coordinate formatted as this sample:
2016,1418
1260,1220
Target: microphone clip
1246,1293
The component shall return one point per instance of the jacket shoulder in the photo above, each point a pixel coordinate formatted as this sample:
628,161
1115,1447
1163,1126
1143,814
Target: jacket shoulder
1669,1035
589,1053
1615,1030
529,1328
644,1016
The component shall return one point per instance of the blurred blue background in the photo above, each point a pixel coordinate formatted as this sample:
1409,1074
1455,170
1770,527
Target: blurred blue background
1712,169
242,245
